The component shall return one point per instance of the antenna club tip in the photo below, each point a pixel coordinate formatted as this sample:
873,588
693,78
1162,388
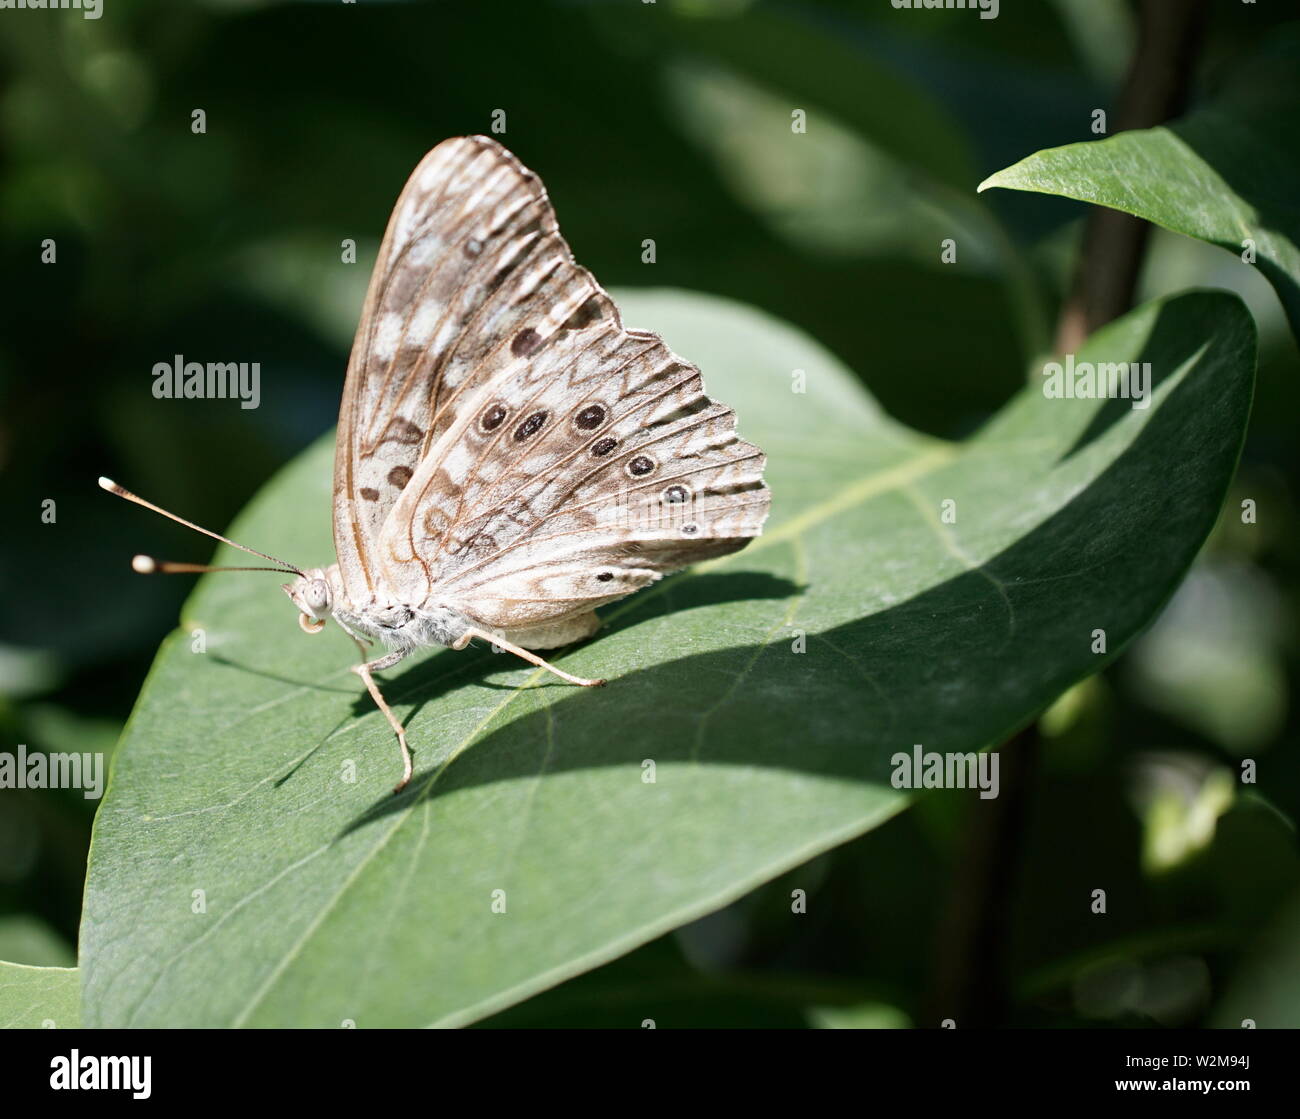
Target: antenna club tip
107,484
144,565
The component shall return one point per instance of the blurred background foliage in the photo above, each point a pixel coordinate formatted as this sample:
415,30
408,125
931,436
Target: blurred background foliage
667,121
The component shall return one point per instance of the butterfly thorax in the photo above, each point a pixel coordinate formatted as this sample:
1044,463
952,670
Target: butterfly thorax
320,594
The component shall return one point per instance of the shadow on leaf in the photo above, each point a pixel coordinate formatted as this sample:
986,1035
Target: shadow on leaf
957,664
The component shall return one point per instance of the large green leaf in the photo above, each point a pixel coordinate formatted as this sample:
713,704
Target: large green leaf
325,900
1226,173
33,998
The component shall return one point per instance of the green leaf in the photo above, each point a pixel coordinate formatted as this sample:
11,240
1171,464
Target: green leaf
1225,174
33,998
237,877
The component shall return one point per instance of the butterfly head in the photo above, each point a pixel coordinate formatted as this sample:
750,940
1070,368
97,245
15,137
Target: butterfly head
311,593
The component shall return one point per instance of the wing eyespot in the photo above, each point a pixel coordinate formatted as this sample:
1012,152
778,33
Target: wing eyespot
493,417
590,418
530,426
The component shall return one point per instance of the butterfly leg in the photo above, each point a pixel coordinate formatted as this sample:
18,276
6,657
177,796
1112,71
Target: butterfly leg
364,670
532,658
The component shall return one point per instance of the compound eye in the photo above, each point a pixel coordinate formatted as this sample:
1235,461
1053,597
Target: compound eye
318,595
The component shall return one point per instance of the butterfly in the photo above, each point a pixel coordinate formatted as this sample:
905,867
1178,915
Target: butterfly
509,456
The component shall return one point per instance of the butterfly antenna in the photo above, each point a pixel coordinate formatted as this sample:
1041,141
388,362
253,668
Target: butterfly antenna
147,565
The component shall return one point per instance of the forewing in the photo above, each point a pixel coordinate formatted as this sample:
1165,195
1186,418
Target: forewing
468,220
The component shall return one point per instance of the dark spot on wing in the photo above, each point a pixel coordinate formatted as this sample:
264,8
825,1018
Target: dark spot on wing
590,417
503,273
530,426
492,417
640,466
525,342
369,494
602,447
399,476
401,430
590,312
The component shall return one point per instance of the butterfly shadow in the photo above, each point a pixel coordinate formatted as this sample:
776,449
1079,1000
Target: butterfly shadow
965,662
424,683
280,678
313,685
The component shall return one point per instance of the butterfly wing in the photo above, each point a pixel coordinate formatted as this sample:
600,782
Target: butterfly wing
573,460
573,523
468,220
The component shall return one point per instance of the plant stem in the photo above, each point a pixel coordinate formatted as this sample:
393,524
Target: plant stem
1155,89
972,983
